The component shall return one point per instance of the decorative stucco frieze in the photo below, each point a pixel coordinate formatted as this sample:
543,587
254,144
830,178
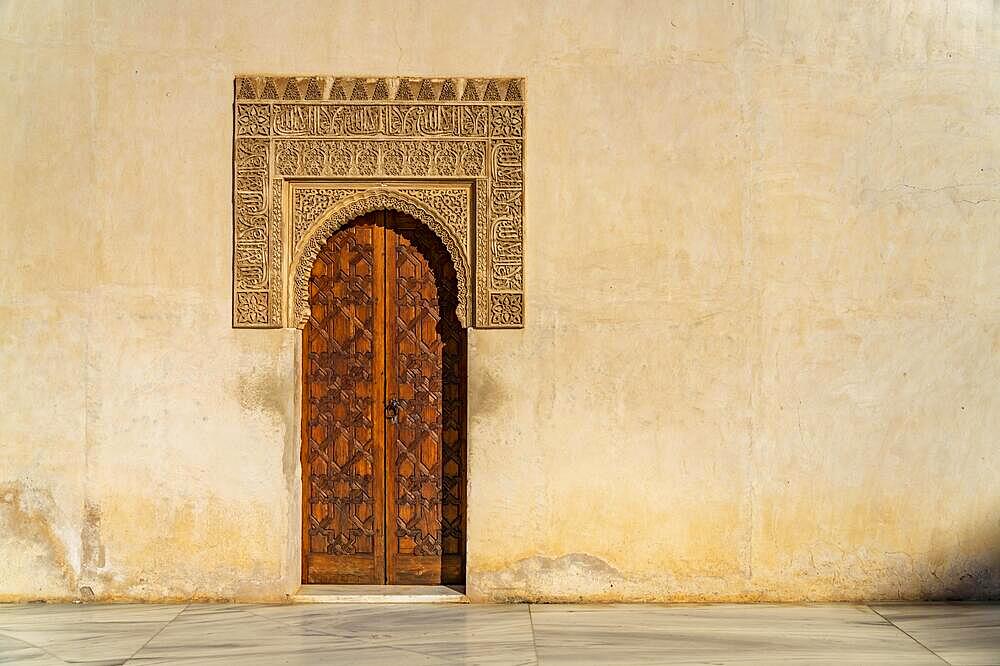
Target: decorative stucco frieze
312,153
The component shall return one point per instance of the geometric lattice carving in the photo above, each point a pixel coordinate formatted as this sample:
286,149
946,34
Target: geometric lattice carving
384,493
342,512
425,368
310,151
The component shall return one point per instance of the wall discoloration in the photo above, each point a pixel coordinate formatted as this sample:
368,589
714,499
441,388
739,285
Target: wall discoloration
581,577
262,390
572,576
91,548
33,543
232,550
760,358
489,395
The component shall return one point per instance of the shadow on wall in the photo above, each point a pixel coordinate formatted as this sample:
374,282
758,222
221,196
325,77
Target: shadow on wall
961,564
960,576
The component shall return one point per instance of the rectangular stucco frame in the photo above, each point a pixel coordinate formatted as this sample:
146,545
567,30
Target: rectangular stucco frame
310,153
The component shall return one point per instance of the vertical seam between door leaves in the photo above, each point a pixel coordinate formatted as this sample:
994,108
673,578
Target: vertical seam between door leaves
385,397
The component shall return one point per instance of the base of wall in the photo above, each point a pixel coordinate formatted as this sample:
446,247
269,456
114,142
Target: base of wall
380,594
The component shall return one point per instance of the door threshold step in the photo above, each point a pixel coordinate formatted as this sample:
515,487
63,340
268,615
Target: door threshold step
380,594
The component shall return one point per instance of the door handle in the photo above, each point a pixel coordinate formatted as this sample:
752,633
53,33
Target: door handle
392,410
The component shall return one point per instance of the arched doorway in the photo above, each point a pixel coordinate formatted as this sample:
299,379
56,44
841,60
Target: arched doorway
383,409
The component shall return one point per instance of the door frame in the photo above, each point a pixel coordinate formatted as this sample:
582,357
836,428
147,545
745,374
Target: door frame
312,152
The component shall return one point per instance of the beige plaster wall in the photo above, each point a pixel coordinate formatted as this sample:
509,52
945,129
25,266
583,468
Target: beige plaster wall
762,353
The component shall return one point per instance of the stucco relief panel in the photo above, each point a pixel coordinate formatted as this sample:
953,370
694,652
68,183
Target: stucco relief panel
318,209
309,152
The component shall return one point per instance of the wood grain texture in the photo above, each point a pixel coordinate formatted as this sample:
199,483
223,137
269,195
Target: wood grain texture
343,437
424,370
384,489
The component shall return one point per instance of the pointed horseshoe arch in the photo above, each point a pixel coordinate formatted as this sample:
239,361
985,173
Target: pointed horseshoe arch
353,207
311,153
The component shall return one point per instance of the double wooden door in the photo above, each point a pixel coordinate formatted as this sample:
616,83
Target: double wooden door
383,402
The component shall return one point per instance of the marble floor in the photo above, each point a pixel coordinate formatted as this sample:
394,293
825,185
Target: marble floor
401,634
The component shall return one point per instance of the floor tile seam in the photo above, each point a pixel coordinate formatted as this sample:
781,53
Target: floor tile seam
157,633
908,635
32,645
534,642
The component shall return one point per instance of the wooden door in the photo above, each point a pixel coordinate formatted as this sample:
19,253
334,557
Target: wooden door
383,409
343,432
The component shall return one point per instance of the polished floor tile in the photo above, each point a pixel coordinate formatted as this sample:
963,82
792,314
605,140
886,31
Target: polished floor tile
403,634
720,634
964,634
90,633
211,634
455,633
14,651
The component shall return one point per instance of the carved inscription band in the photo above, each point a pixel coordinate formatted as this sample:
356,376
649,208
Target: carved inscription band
311,153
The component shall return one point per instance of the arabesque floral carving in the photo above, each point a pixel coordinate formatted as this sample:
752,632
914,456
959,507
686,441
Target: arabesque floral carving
313,152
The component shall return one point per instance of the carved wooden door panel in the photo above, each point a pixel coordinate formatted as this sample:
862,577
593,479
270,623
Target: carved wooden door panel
425,371
383,424
343,457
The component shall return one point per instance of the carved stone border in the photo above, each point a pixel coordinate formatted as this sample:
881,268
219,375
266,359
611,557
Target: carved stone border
311,153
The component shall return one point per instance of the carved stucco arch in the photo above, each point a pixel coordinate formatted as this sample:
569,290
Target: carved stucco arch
450,149
353,207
